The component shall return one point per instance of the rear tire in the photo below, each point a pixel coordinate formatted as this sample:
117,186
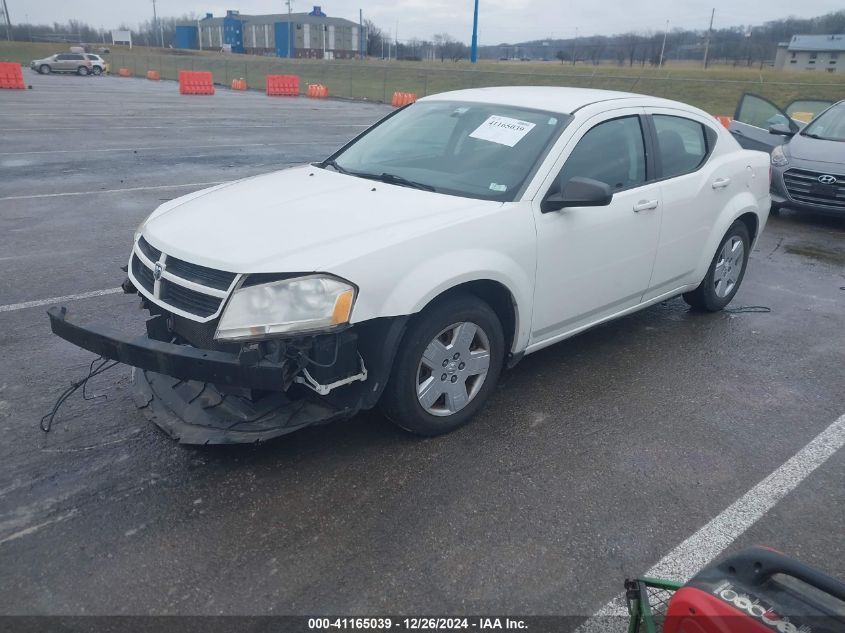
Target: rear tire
97,70
774,210
725,273
44,69
447,366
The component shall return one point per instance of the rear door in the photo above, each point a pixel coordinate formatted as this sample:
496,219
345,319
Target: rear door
753,117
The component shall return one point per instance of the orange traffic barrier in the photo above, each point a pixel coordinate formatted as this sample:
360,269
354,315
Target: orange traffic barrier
196,83
317,91
124,72
282,85
154,75
724,120
239,84
11,76
401,99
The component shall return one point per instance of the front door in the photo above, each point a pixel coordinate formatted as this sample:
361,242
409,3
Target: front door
593,262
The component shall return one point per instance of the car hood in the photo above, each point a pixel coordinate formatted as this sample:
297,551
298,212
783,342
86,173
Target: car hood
818,150
303,219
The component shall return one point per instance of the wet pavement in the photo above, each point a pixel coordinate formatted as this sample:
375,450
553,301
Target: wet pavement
594,458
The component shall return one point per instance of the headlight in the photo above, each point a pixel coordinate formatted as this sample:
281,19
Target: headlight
779,158
290,305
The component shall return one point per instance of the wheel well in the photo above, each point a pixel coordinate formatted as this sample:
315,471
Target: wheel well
497,296
751,222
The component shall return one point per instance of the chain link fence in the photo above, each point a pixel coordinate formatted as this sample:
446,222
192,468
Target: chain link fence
717,93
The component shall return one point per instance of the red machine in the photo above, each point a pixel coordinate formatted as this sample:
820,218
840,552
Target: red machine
757,590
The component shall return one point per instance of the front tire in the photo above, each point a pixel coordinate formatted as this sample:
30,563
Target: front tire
726,271
82,71
44,69
446,368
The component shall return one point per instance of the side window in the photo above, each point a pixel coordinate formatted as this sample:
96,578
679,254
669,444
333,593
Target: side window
612,152
62,57
760,113
682,144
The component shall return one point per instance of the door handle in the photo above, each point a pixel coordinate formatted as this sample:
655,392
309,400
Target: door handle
721,183
645,205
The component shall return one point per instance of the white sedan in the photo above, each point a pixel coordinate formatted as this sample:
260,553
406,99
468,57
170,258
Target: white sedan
441,245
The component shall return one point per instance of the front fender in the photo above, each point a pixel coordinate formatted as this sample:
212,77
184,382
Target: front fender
427,279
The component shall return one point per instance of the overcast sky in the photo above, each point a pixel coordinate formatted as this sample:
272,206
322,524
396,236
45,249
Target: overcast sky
500,20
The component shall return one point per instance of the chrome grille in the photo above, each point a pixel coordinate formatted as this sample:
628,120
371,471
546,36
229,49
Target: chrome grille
190,290
803,186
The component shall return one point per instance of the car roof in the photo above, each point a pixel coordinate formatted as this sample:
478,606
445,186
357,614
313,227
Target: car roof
551,98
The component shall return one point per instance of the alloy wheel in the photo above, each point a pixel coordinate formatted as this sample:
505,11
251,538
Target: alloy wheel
453,368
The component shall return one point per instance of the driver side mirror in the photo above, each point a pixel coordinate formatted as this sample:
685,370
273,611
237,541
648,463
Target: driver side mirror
781,130
579,192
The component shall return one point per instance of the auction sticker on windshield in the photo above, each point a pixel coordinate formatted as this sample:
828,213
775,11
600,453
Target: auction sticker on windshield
502,130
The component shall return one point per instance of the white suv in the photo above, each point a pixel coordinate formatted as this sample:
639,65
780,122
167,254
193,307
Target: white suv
411,266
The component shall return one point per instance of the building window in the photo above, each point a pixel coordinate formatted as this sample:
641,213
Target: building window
834,55
794,54
813,55
812,61
793,61
831,70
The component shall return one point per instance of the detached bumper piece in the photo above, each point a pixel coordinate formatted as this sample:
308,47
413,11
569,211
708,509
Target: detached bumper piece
194,412
199,396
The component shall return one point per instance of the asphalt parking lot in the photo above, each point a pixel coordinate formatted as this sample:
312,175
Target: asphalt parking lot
595,458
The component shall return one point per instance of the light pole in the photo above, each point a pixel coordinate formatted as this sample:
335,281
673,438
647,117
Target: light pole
473,53
290,35
7,20
663,47
156,26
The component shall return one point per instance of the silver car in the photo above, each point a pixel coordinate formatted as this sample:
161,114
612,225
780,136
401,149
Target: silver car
807,145
63,63
98,64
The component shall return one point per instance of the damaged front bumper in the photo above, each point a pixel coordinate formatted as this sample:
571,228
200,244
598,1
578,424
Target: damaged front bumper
201,396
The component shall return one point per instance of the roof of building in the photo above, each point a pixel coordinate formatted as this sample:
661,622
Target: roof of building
272,18
817,43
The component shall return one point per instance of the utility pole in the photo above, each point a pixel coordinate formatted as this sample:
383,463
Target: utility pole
361,39
473,53
707,41
8,21
575,46
663,47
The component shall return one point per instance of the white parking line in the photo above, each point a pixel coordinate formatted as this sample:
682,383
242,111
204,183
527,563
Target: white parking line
164,148
175,128
12,307
688,558
87,193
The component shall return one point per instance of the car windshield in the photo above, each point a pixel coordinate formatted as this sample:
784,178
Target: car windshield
829,126
476,150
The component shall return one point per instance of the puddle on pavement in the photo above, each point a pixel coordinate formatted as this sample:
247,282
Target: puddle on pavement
823,254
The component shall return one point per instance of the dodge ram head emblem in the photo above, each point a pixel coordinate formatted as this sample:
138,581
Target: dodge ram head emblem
157,271
827,179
